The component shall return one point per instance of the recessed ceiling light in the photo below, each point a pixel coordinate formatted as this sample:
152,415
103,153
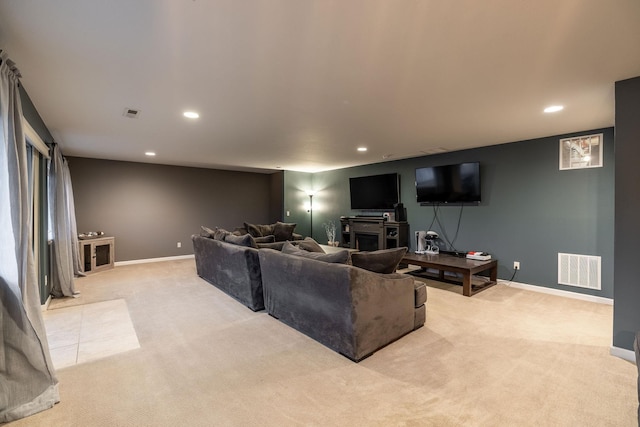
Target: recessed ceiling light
362,149
150,153
554,109
191,114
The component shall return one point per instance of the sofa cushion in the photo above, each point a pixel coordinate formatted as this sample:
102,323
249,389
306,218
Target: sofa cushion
283,231
265,239
420,294
246,240
340,257
309,245
275,245
384,261
419,316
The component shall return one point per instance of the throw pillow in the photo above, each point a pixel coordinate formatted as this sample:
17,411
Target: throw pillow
265,239
253,229
383,261
340,257
310,245
246,240
265,229
206,232
283,231
220,233
240,231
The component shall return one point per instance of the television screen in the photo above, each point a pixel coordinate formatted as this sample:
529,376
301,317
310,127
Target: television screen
448,184
376,192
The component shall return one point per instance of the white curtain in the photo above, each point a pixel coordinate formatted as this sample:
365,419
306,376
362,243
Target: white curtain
27,379
66,259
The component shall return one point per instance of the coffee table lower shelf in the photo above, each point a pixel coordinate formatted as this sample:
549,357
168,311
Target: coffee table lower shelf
466,267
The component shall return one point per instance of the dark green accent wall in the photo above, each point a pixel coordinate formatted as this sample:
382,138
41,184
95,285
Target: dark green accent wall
296,201
530,210
626,311
148,208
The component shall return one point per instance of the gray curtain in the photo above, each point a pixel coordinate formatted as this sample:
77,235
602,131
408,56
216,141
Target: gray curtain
27,378
66,259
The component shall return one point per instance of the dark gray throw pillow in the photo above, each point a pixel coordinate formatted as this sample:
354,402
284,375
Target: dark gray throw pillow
206,232
220,234
383,261
253,229
283,231
246,240
340,257
310,245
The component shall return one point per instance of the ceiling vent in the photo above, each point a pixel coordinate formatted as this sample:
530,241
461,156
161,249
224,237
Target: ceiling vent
132,113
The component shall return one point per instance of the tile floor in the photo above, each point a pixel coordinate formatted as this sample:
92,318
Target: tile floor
88,332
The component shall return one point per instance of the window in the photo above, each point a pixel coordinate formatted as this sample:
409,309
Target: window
37,162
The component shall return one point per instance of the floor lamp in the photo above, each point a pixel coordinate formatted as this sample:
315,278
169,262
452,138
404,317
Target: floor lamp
310,194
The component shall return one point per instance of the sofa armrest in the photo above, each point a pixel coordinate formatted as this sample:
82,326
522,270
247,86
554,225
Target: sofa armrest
384,309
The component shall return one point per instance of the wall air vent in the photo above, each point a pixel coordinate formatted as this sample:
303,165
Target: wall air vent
132,113
579,270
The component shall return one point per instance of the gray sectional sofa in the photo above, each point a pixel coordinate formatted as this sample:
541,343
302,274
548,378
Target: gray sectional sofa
348,309
229,260
231,267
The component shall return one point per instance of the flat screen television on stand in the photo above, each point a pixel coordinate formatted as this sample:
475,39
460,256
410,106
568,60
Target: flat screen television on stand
375,192
458,183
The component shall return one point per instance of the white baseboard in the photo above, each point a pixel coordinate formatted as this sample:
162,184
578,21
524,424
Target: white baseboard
45,306
144,261
558,292
623,353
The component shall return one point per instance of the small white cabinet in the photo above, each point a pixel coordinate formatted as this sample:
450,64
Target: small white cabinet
97,254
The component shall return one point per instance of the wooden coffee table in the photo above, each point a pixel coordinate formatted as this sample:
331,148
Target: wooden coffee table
467,267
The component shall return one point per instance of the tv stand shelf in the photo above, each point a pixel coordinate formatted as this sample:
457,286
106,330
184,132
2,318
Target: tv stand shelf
373,233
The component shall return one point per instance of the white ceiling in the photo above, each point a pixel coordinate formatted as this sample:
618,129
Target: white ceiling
300,84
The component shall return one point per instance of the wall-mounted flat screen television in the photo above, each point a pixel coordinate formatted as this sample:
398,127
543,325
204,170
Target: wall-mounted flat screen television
375,192
449,183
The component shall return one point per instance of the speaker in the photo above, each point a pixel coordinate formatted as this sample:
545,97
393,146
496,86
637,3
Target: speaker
401,213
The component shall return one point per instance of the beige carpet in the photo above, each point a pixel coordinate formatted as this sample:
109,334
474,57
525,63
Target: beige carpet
505,357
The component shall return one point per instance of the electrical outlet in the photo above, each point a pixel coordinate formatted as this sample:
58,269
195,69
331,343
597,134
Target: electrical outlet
516,265
288,213
179,244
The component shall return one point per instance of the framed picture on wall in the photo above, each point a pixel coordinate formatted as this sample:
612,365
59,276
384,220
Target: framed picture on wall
581,152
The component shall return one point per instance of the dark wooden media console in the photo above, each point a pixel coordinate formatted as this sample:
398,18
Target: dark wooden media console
466,267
